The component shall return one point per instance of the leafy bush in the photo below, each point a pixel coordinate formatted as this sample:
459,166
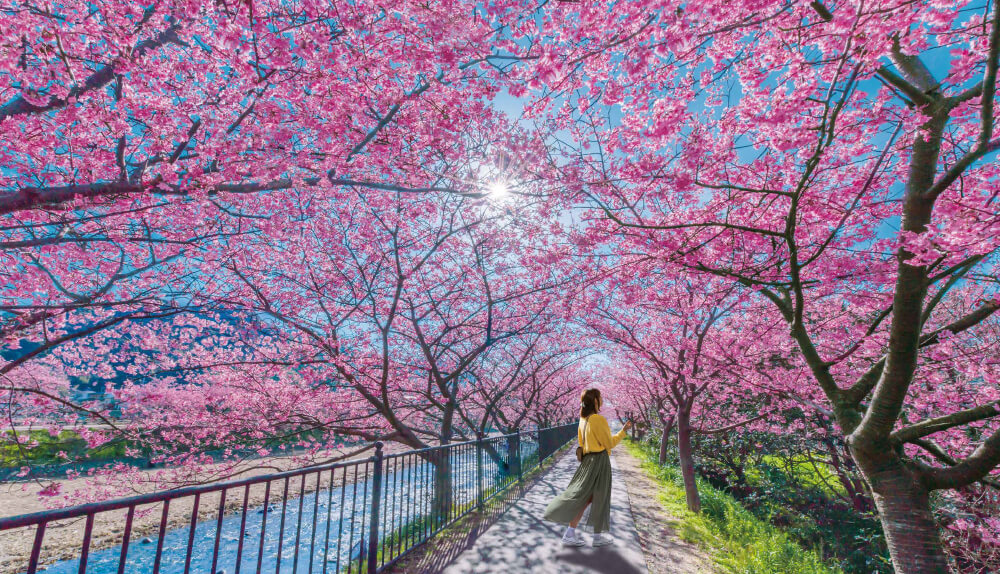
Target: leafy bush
39,447
780,481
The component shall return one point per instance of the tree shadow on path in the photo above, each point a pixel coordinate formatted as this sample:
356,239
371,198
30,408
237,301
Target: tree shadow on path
510,536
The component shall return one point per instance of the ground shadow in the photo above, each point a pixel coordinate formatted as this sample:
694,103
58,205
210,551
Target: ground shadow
435,555
522,541
604,559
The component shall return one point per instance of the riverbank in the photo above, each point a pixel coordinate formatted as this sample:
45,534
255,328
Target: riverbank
63,540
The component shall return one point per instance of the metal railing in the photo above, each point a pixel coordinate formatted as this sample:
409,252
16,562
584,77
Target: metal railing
345,517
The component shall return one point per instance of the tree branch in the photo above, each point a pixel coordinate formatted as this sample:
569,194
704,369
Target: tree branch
976,467
34,197
931,426
860,389
938,453
100,78
728,428
985,143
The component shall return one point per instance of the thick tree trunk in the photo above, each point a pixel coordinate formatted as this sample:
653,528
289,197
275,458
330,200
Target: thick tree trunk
668,426
514,455
901,498
663,444
499,459
686,455
905,512
441,499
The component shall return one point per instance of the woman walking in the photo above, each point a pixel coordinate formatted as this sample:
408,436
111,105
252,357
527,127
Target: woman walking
591,485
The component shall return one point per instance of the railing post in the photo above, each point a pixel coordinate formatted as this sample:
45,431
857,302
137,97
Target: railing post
376,496
543,445
517,456
479,469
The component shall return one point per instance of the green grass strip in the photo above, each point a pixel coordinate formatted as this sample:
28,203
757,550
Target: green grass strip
739,542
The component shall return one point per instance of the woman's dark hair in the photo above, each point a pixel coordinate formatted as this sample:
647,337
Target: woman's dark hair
588,402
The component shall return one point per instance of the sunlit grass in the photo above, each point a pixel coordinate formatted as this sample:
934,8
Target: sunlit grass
738,541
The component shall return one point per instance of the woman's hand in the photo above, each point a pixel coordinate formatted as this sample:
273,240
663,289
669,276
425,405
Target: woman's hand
628,425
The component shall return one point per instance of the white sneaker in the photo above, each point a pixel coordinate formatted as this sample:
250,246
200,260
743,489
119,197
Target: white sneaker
602,539
572,539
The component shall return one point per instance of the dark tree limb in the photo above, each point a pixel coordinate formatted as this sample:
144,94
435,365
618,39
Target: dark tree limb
931,426
100,78
974,468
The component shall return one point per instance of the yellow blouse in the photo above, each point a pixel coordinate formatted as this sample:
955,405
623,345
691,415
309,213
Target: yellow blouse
599,435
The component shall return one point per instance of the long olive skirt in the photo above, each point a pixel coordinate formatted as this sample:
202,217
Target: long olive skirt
591,483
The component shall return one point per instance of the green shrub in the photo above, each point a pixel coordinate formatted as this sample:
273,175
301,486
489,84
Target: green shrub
782,481
43,448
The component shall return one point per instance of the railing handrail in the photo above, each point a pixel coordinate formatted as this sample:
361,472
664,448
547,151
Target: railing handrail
82,510
79,510
467,442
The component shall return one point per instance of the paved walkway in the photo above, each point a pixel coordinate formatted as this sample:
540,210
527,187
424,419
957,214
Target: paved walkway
521,541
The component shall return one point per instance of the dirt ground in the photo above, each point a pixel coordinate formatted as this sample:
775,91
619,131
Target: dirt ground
665,552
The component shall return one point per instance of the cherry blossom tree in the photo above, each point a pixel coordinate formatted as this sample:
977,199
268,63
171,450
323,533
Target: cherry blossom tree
137,138
531,379
639,397
842,170
828,165
392,300
683,339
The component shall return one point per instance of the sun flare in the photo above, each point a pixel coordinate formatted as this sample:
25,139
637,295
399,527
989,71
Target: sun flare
499,189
